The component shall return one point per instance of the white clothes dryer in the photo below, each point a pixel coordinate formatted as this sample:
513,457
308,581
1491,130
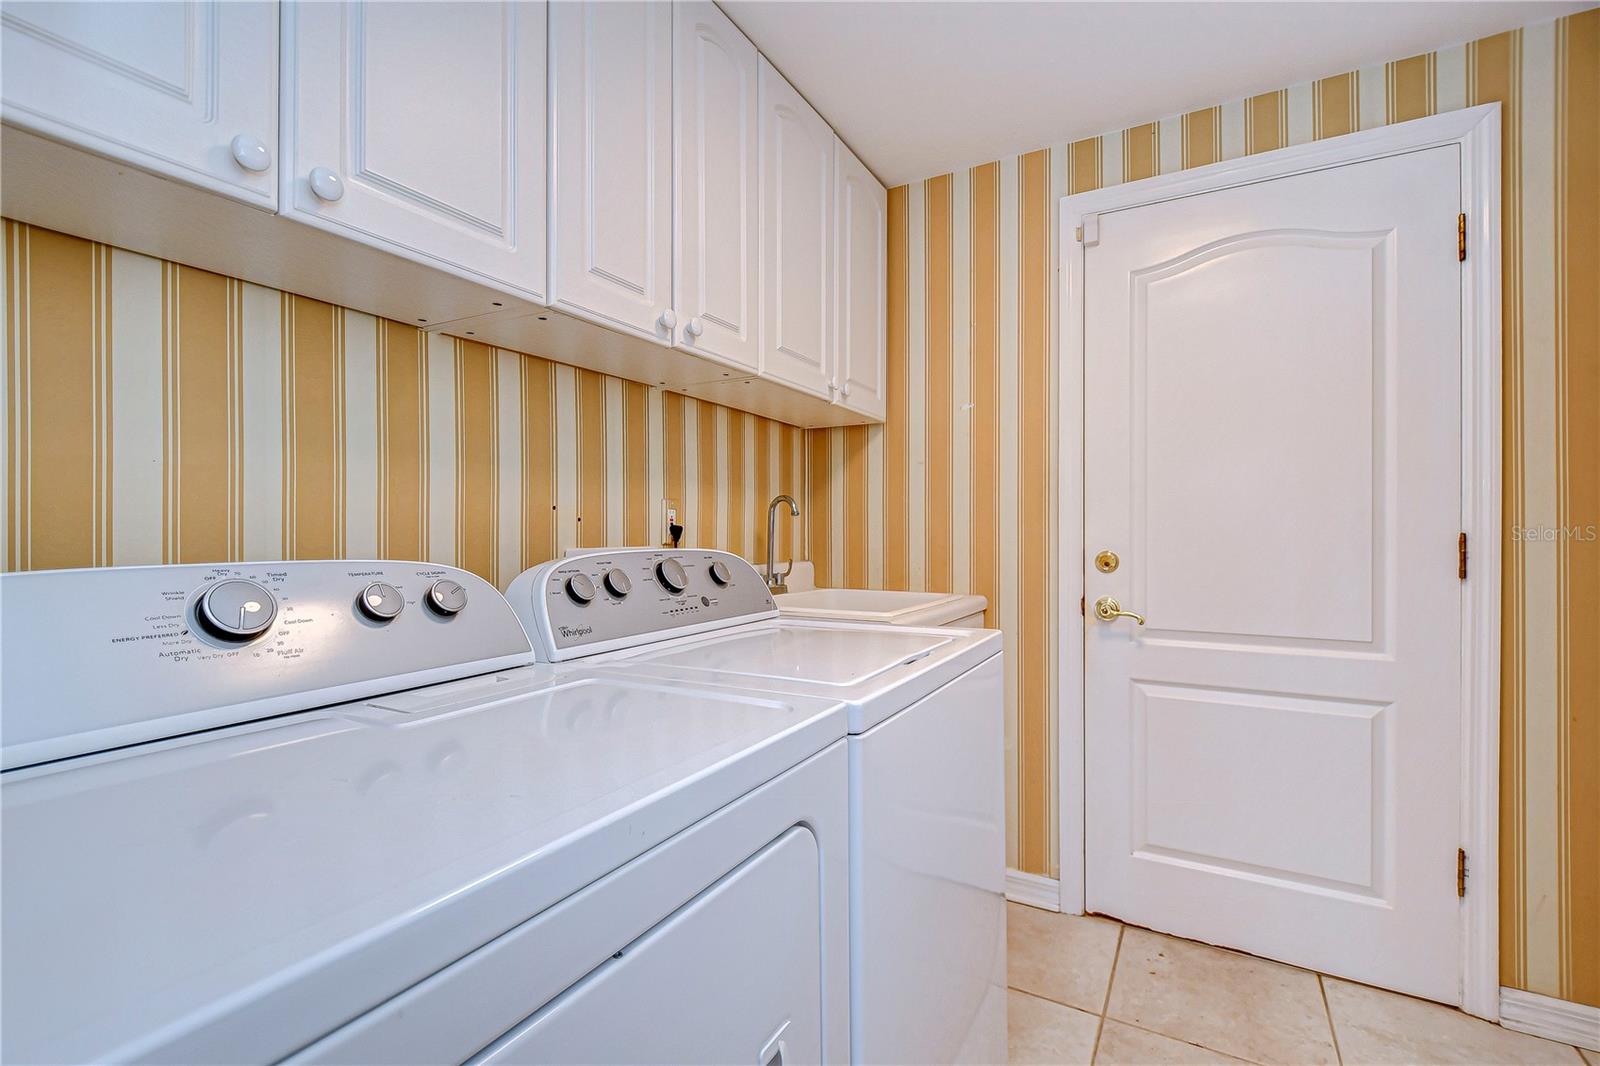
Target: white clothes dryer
330,811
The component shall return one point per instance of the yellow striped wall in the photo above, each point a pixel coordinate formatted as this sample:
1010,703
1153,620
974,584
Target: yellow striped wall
157,413
956,490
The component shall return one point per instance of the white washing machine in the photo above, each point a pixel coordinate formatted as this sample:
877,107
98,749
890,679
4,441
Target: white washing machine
329,811
926,782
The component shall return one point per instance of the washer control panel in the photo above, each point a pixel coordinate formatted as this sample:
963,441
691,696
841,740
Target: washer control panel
100,658
610,599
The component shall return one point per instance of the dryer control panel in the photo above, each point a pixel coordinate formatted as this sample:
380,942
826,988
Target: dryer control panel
105,657
610,599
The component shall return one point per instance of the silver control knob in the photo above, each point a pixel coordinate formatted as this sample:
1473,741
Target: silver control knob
236,610
580,590
618,583
381,602
670,573
720,573
446,596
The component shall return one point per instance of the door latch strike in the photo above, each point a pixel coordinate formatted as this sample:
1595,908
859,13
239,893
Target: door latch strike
1461,238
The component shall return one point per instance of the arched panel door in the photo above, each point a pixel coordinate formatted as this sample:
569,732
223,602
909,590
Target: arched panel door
1272,444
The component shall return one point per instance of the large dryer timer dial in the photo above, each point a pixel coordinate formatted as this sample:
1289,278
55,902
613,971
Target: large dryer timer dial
236,610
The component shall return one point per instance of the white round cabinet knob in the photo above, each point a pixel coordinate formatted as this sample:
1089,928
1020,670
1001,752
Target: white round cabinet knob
844,390
326,184
668,319
250,153
694,328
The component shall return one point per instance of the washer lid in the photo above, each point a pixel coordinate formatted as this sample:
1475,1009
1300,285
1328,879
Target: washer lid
878,670
841,657
239,893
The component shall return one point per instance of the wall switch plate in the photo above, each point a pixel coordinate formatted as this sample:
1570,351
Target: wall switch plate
669,518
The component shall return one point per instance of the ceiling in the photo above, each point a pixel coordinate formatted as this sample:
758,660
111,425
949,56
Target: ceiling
922,88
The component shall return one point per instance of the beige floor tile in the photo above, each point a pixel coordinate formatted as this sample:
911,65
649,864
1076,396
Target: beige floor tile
1239,1005
1591,1057
1123,1045
1062,957
1039,1031
1374,1026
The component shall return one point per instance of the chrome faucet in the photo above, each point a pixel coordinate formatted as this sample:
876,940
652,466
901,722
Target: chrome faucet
775,579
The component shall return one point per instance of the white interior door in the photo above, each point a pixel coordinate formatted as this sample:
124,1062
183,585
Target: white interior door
419,128
1272,447
187,90
611,169
716,224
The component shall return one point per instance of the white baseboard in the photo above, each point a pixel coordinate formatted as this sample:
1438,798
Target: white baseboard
1551,1018
1034,890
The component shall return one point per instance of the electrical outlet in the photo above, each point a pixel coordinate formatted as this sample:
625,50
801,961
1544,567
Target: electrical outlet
669,518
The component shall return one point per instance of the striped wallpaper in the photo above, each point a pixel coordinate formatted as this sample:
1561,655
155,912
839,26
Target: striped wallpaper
155,412
956,491
158,413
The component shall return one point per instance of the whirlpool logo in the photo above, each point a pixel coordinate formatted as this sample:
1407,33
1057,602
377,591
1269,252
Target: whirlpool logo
569,632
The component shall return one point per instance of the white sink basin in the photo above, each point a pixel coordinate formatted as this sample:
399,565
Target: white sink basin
878,605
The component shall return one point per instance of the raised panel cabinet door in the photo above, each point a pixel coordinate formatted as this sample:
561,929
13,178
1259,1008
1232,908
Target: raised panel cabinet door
611,174
861,243
796,238
185,90
419,128
716,274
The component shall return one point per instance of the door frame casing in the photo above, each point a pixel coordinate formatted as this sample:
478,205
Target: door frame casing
1476,130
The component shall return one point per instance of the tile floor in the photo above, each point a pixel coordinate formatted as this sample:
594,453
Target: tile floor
1093,990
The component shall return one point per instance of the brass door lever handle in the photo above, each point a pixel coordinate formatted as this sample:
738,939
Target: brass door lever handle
1109,610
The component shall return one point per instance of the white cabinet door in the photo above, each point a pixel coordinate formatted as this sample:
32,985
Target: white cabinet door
861,244
796,230
185,90
716,273
611,178
419,128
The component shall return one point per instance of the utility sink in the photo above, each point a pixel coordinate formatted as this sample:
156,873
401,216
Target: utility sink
879,605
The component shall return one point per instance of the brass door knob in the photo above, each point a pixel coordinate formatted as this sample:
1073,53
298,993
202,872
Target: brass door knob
1109,610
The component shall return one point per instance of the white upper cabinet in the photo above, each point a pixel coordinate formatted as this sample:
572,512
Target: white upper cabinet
796,238
716,274
419,128
861,269
184,90
611,174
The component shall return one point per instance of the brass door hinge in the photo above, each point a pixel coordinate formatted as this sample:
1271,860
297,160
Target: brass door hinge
1461,238
1461,872
1461,557
1080,607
